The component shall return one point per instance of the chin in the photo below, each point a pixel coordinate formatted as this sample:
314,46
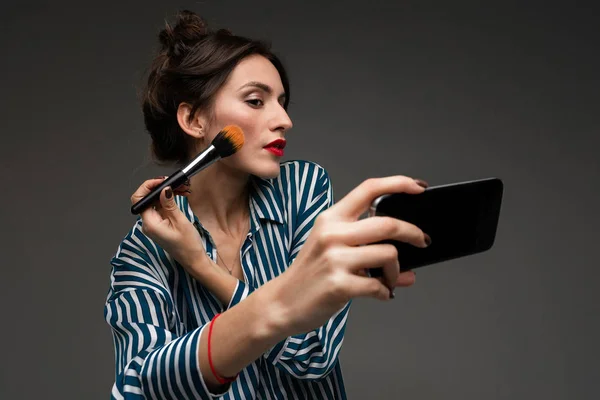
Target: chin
268,173
268,170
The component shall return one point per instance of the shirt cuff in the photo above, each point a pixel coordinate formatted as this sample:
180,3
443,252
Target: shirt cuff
240,292
196,358
275,353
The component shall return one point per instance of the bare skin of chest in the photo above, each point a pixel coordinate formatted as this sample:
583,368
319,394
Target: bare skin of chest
228,254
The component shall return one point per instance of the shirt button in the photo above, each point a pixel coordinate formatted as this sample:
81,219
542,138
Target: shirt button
209,254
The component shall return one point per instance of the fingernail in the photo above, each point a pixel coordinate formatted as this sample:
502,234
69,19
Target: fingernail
422,183
169,193
427,240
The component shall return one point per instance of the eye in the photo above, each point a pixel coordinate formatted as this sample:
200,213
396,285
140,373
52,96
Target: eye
255,102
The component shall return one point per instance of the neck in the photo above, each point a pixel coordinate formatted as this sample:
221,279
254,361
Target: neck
220,199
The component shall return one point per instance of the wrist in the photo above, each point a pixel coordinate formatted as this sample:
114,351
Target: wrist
274,321
201,269
215,279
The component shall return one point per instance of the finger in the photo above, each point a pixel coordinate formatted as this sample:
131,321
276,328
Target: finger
360,198
390,275
145,188
168,207
182,192
151,219
377,229
183,187
179,192
359,286
370,256
366,273
374,287
405,279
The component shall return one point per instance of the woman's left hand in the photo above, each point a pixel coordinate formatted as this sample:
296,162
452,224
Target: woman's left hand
166,225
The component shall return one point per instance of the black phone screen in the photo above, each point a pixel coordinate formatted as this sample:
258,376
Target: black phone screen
460,218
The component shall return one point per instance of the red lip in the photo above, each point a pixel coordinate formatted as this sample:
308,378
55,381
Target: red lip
276,147
277,143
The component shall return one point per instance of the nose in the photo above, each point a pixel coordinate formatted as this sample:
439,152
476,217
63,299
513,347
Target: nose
281,120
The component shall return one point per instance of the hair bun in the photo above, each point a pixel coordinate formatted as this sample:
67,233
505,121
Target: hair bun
189,28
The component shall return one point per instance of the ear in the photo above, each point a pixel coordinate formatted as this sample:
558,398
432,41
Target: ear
196,126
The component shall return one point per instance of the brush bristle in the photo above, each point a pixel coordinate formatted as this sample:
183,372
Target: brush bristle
229,140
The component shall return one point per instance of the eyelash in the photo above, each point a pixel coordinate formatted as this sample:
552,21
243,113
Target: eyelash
250,102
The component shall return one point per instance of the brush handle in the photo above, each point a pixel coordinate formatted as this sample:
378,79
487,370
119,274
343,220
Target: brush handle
175,180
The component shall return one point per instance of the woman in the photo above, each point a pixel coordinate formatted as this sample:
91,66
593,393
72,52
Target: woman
251,240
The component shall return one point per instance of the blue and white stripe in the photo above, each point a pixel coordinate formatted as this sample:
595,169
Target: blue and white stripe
157,311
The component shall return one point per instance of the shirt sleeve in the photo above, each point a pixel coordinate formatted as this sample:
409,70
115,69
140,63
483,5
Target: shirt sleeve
311,355
152,361
240,292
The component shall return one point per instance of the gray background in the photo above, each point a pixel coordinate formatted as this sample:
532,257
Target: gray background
443,92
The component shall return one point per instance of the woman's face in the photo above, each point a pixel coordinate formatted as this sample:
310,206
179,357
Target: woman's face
252,98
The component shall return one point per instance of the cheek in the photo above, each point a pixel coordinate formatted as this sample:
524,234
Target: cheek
237,113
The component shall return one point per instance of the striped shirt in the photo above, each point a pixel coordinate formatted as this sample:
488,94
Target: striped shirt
157,311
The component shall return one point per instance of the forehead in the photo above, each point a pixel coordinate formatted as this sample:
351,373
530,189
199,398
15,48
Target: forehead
255,68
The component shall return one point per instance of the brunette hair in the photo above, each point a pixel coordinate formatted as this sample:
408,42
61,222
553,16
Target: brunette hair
192,64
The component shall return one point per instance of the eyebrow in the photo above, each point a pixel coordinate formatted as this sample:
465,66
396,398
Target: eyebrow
266,88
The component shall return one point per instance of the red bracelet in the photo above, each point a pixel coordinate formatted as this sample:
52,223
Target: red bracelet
220,379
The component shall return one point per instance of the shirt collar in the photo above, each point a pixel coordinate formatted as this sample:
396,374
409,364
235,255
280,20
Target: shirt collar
266,202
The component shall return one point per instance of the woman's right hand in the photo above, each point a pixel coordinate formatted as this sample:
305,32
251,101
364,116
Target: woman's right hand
167,226
330,267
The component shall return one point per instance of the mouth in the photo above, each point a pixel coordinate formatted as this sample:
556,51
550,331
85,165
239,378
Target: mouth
276,147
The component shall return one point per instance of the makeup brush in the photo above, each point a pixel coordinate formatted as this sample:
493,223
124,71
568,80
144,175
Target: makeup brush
228,141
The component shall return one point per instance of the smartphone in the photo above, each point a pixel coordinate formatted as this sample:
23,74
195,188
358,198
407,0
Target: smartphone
461,218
